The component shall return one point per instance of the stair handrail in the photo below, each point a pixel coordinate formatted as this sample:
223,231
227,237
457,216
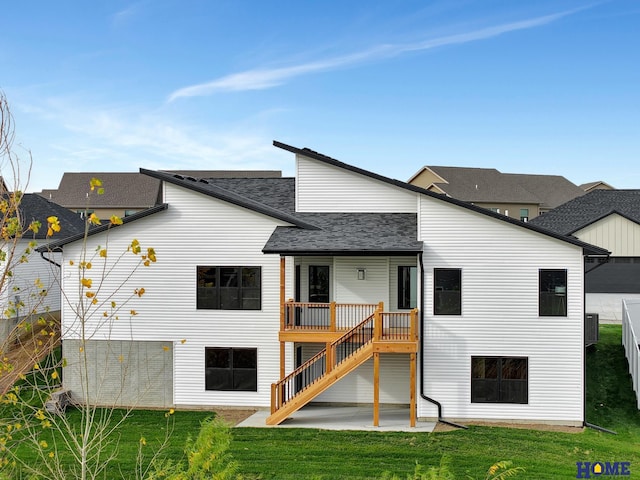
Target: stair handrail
278,387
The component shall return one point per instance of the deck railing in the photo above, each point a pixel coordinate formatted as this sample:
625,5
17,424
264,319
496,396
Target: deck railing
631,342
378,326
332,317
322,363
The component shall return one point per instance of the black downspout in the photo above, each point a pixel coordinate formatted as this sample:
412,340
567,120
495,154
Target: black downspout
584,364
422,394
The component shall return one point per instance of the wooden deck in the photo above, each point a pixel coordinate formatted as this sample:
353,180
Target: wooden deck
353,334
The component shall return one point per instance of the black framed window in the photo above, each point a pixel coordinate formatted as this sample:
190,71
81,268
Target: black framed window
552,300
447,295
231,369
499,380
407,287
319,283
229,288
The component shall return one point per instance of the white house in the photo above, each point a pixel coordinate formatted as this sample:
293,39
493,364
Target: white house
32,286
337,286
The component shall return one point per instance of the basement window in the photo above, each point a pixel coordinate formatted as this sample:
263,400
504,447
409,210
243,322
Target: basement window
230,369
499,380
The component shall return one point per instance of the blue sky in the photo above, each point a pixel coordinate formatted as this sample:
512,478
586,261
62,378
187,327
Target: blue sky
544,86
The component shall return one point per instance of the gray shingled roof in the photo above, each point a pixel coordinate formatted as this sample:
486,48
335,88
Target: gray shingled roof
488,185
552,190
34,207
589,208
278,193
348,233
202,185
332,232
482,185
130,189
121,190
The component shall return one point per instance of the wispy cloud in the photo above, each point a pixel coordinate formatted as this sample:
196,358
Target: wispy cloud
111,138
261,79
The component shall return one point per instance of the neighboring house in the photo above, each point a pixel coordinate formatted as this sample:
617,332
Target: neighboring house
611,220
125,193
599,185
518,196
337,286
20,296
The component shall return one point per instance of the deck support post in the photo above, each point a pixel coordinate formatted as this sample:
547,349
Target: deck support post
376,389
412,390
283,262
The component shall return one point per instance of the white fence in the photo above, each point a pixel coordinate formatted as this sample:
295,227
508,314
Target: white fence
631,341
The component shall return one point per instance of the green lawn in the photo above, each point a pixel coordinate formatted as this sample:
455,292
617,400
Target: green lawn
315,454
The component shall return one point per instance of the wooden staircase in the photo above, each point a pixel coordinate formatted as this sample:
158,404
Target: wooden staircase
378,333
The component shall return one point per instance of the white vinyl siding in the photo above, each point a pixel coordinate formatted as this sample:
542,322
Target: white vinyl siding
326,188
23,278
344,286
615,233
357,387
194,230
500,264
373,289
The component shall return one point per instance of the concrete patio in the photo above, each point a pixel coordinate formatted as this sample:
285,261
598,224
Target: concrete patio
392,419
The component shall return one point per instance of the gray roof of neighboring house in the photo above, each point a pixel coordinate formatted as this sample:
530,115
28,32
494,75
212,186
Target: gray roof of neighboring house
591,185
589,208
488,185
130,189
34,207
56,244
552,190
121,190
482,185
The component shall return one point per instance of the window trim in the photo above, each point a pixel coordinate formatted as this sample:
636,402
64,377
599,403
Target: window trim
500,380
232,370
218,293
458,311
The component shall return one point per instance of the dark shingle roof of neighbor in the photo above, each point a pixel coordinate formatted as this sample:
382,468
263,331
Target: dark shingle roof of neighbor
129,189
55,244
34,207
482,185
552,190
121,190
489,185
589,208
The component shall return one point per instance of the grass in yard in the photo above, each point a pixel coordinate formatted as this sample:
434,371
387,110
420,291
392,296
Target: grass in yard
317,454
314,454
